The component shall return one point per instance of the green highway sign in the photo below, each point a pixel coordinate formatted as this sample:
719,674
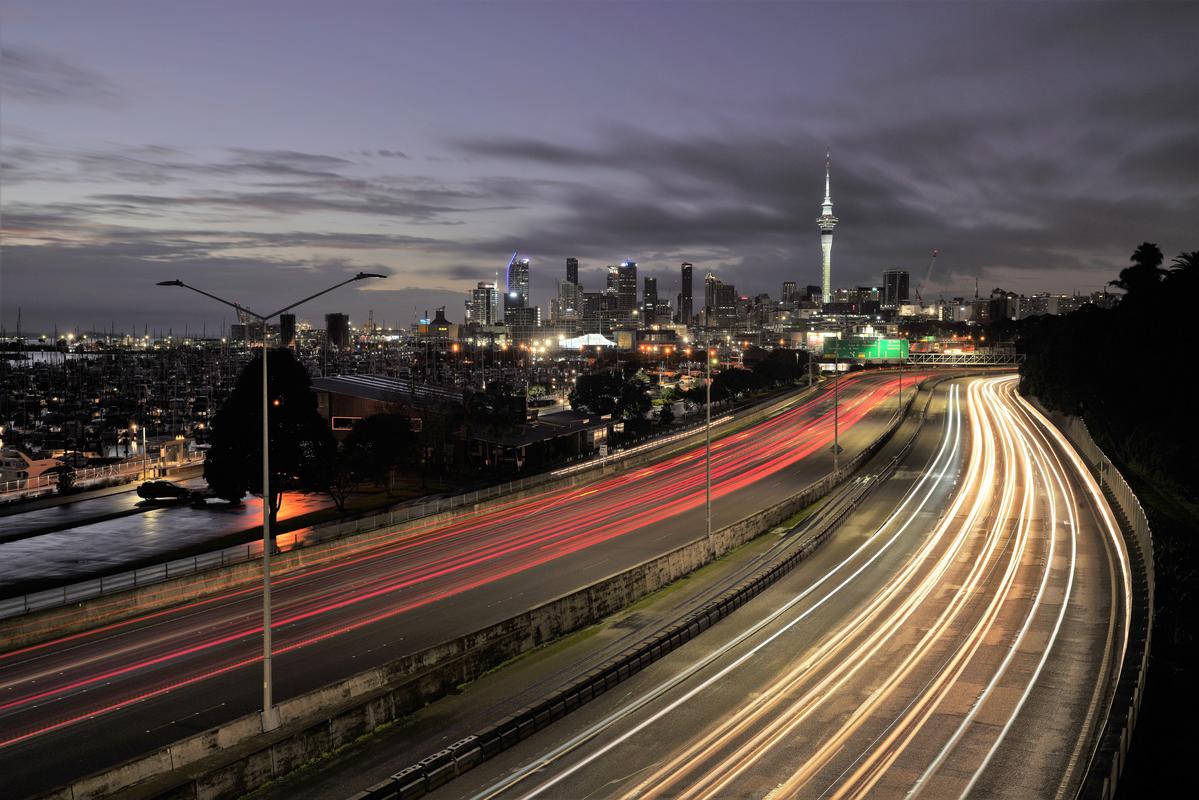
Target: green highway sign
860,349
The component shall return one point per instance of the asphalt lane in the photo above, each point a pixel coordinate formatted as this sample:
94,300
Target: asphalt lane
963,644
100,698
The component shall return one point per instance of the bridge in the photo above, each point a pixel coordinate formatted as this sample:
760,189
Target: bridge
988,359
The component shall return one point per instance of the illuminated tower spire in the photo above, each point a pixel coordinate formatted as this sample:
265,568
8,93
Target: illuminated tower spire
827,222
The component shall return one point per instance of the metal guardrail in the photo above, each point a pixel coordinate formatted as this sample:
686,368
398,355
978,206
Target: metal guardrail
317,534
1107,762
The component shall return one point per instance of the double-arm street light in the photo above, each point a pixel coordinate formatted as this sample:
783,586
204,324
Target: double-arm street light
708,447
270,714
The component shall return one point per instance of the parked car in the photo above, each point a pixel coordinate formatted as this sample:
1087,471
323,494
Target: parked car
162,490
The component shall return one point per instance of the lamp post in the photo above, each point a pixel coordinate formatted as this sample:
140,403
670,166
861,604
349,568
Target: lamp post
708,448
836,411
270,714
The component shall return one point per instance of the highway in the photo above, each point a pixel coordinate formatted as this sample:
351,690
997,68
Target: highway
87,701
959,636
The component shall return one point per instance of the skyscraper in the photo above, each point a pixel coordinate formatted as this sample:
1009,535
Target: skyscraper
649,301
827,222
337,329
711,283
626,289
517,295
895,288
685,307
788,291
483,305
572,270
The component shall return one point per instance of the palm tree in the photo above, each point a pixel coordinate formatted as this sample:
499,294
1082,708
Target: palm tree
1145,273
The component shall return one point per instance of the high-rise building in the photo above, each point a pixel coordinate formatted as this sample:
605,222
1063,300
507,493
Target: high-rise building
599,312
827,222
685,301
572,270
516,298
287,330
788,291
649,301
337,329
626,289
483,305
622,284
517,294
566,307
711,284
895,288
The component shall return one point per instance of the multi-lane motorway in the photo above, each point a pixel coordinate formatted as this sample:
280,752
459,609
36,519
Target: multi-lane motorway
73,705
959,636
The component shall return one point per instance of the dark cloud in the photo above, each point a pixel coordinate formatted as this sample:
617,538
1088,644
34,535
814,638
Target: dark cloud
40,77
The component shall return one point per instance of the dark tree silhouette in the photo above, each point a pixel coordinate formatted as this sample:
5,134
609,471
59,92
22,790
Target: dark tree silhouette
732,382
1145,273
666,415
634,402
596,394
378,446
302,446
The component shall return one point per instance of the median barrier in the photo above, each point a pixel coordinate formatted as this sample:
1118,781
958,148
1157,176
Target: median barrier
235,758
69,609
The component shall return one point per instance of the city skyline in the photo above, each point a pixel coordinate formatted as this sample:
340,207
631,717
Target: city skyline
136,152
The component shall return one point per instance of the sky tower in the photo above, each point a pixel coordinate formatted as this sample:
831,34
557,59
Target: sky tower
827,222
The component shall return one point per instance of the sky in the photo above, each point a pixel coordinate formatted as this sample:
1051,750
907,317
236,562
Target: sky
263,151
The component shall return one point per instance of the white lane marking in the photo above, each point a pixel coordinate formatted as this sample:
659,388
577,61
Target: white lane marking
953,423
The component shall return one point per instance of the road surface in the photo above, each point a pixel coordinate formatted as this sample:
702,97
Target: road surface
964,642
92,700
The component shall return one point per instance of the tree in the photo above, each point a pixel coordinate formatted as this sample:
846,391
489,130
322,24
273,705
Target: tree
634,402
378,445
342,480
731,383
596,394
66,481
666,415
1145,273
302,446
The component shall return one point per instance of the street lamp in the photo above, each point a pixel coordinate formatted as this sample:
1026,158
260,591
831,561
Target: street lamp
270,714
836,411
708,450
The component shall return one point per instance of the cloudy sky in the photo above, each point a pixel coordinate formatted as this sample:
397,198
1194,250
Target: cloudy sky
264,150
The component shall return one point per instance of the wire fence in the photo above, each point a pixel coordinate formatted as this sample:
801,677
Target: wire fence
83,478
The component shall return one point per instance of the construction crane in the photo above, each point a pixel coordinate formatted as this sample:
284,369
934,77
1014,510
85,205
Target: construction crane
927,274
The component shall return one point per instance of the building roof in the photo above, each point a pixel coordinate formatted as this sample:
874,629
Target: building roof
384,389
546,426
587,340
